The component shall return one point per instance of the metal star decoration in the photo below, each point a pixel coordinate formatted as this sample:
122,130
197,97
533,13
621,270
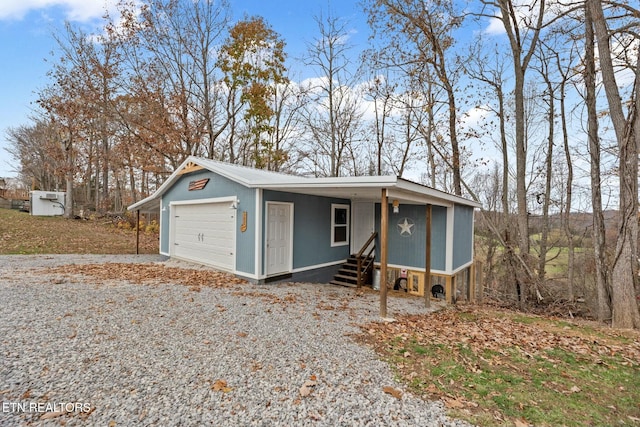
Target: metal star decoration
405,227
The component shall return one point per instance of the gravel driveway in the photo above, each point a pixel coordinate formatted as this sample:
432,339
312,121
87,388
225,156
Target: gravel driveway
79,352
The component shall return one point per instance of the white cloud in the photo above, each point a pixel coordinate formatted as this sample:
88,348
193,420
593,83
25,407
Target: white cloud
74,10
476,117
495,27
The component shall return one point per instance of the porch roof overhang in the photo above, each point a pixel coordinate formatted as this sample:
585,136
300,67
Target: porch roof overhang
356,188
370,189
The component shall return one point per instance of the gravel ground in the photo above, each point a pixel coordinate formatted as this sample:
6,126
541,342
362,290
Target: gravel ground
121,354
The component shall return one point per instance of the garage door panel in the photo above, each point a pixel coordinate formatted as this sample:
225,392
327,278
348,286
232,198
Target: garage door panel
205,233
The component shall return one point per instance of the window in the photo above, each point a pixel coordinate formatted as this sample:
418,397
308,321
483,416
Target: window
339,225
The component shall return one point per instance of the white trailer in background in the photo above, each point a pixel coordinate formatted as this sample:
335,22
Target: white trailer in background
47,203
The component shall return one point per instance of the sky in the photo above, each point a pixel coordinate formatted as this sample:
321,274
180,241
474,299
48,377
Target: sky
26,41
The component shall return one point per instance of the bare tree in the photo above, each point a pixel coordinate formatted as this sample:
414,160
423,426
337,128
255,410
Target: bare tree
39,159
421,32
522,25
334,120
170,54
625,312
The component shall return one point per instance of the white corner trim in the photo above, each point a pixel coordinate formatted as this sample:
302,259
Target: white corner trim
449,239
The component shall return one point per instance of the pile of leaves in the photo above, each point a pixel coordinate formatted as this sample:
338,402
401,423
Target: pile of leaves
496,367
148,274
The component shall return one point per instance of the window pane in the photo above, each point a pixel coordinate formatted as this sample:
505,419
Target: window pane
340,216
340,234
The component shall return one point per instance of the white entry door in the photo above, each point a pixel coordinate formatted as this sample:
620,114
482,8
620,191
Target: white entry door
279,240
362,224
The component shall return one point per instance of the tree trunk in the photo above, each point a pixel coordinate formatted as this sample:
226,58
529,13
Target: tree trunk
68,204
599,241
568,195
521,57
544,236
624,307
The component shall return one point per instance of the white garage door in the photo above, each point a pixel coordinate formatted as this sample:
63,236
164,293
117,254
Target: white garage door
205,233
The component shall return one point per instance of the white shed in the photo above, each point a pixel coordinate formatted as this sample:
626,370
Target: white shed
47,203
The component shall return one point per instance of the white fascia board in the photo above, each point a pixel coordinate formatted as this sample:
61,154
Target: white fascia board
345,182
435,194
168,232
449,239
258,239
137,205
165,185
417,198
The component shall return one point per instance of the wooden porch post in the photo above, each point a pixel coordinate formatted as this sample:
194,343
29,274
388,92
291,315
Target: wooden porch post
137,231
384,232
427,261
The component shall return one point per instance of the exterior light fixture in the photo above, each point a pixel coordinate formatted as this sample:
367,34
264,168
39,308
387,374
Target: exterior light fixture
396,206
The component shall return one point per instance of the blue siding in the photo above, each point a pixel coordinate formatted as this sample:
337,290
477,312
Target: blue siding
408,250
462,235
311,228
217,186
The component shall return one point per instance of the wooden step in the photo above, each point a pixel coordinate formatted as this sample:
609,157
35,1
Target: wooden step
339,283
343,278
348,272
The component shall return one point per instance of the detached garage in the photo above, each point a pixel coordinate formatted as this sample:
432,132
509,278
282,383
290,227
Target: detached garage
265,226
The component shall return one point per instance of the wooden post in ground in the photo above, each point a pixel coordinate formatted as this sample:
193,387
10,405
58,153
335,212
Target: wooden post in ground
384,235
479,283
448,289
427,261
137,231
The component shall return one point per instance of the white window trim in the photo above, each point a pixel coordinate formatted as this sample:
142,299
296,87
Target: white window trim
335,206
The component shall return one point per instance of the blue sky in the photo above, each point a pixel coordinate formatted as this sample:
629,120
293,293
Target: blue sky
26,28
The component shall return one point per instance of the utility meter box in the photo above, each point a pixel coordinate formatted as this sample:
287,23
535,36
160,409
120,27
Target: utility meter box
47,203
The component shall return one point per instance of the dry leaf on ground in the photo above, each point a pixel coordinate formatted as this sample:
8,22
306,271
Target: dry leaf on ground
392,391
221,385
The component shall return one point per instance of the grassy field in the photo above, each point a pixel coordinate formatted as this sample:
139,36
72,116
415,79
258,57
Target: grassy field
22,233
500,368
490,366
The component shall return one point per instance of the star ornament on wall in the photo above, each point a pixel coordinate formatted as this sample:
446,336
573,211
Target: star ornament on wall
405,226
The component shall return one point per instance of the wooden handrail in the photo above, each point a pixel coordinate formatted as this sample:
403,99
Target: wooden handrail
372,238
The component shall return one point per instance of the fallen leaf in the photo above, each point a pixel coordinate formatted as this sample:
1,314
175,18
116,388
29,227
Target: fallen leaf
306,388
50,415
305,391
221,385
520,423
392,391
452,403
575,389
